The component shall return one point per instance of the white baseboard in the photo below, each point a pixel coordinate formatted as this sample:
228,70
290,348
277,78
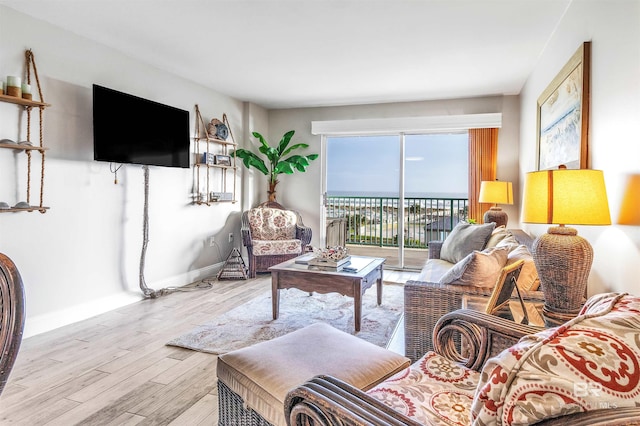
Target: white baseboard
50,321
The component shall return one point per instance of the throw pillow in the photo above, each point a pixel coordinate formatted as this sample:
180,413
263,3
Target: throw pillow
464,239
497,235
589,363
528,279
509,241
479,269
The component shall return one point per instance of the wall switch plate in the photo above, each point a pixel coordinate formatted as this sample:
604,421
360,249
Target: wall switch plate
212,241
230,237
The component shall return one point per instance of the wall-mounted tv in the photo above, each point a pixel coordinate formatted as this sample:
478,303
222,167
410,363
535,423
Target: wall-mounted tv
129,129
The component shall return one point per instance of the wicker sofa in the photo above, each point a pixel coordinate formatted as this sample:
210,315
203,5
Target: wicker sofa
585,372
428,298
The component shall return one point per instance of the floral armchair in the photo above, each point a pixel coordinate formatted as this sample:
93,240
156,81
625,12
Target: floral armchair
584,372
272,234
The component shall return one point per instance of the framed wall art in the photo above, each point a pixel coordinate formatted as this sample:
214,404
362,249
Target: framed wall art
222,160
563,115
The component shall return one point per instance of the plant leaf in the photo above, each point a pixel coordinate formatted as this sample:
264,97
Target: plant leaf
285,141
296,146
284,167
250,159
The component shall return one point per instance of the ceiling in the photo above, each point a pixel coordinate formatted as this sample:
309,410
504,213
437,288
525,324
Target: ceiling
302,53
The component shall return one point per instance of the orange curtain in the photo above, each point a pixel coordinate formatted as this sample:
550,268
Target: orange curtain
483,156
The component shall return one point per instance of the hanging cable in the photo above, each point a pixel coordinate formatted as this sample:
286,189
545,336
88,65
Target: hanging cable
148,292
114,169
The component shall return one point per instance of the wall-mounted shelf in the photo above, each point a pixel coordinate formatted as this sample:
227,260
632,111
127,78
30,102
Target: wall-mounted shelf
214,179
28,105
23,102
22,147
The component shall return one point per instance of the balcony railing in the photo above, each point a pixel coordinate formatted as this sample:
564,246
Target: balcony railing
374,220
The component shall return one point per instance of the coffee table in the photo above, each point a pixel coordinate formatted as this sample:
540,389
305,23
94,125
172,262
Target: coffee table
290,274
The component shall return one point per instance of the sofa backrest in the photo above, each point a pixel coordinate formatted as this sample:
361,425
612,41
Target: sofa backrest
591,362
271,224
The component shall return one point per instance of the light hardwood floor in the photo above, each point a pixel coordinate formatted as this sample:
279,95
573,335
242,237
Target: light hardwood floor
115,369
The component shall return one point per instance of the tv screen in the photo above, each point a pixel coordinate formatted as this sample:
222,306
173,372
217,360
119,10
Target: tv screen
129,129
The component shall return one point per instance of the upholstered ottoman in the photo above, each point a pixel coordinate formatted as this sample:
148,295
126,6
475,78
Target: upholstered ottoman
253,382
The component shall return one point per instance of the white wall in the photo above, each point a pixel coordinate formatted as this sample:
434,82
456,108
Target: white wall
82,257
302,192
612,27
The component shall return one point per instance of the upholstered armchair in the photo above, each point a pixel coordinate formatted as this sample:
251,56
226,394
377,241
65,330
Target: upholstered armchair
585,372
272,234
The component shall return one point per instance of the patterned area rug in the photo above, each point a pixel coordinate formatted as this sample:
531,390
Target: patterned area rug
252,322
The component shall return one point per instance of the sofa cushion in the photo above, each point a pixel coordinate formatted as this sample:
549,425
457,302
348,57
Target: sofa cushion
497,235
509,242
272,224
479,268
589,363
433,270
276,247
464,239
433,391
528,279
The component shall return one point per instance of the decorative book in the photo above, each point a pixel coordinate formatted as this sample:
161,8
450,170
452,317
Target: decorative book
329,263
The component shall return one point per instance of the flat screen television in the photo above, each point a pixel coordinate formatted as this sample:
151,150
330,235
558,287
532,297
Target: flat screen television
129,129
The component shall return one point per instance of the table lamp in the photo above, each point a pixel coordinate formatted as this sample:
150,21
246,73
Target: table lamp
630,209
563,259
497,192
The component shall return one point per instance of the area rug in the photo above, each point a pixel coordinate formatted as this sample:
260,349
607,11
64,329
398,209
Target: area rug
252,322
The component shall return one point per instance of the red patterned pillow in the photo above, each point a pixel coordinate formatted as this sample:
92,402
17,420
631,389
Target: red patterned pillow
591,362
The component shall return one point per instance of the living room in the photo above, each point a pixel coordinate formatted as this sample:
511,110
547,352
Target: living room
82,256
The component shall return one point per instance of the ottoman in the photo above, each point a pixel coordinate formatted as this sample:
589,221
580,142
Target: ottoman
253,381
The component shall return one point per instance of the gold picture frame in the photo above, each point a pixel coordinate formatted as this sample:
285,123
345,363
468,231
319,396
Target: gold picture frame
503,290
563,115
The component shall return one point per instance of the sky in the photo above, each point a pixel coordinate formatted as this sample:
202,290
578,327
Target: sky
434,164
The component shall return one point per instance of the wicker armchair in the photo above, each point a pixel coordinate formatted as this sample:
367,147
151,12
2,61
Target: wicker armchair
326,401
12,316
425,302
285,245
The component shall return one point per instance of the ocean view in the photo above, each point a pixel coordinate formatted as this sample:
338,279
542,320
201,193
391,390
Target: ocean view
372,218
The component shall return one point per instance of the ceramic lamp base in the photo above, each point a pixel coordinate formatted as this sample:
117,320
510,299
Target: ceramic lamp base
495,214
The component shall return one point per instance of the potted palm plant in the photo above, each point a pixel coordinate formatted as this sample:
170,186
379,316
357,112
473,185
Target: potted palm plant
277,159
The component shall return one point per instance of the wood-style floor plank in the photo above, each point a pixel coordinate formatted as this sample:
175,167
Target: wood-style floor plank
115,368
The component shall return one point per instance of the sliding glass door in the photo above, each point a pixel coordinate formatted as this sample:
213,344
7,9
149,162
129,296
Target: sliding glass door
393,193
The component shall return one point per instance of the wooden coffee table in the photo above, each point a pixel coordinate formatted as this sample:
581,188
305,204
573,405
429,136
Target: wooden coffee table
290,274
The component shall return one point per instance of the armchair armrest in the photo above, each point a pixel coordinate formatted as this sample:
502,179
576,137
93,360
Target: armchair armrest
426,302
484,335
303,233
434,249
327,401
246,236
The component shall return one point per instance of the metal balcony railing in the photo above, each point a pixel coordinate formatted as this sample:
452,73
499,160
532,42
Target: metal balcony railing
374,220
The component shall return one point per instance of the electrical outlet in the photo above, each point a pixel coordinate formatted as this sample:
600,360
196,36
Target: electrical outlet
230,237
212,241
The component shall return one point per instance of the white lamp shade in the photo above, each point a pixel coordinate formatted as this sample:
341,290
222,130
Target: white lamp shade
495,191
566,196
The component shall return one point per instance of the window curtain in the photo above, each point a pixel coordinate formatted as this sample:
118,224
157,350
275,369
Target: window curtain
483,158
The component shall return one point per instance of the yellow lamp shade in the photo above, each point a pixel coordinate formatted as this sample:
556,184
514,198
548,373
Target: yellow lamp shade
630,209
495,191
566,196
